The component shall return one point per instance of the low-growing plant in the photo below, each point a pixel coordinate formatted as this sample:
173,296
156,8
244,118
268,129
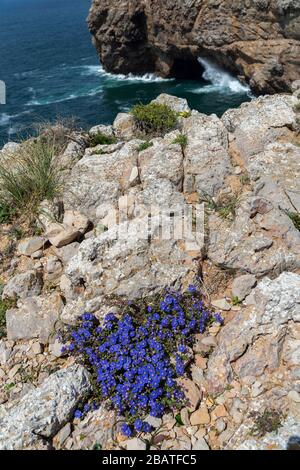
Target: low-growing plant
235,300
135,360
295,218
225,208
99,152
267,421
184,114
30,177
244,178
145,145
102,139
181,140
154,118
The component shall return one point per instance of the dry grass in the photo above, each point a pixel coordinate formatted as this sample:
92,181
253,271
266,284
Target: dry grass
30,176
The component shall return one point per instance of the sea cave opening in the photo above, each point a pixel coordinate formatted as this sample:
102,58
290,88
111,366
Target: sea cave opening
187,69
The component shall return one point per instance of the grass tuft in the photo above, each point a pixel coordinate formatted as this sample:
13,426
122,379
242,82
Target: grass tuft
181,140
30,177
145,145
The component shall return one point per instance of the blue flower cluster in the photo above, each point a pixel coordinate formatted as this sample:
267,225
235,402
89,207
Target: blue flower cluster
135,360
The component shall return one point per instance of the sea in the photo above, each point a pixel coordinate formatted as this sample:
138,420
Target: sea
49,70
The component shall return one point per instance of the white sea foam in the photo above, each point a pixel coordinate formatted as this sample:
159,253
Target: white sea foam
220,79
146,78
71,96
4,119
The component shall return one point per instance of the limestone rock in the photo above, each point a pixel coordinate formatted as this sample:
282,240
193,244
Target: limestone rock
200,444
192,393
101,129
27,284
135,444
124,126
179,105
258,123
200,416
61,234
96,428
121,261
95,184
44,411
35,317
207,162
242,286
265,327
29,245
277,440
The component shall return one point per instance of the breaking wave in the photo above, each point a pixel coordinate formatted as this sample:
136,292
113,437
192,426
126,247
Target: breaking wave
220,79
146,78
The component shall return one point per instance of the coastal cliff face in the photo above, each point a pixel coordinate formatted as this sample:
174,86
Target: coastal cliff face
89,250
256,40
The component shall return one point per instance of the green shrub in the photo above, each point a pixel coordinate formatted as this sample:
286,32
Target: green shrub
31,176
182,140
102,139
154,118
145,145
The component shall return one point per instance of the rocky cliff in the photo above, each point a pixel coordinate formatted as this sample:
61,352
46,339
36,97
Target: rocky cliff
257,40
245,168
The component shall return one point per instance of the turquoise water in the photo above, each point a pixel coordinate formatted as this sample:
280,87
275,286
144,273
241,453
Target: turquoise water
51,71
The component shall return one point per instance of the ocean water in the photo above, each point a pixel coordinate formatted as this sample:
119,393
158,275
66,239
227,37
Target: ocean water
51,71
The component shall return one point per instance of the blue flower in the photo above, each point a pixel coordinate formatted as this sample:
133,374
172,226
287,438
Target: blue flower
132,358
147,427
219,318
138,425
192,289
78,414
126,430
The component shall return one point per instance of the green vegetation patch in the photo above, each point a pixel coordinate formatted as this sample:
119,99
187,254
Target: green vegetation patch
6,213
225,209
4,306
145,145
102,139
268,421
295,218
29,178
181,140
154,118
